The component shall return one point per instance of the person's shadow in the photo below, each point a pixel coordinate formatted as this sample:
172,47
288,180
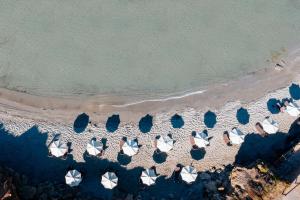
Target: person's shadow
81,122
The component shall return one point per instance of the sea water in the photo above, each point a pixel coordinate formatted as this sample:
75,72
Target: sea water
139,47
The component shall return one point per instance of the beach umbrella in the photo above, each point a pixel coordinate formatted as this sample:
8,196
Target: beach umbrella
188,174
94,147
165,143
58,149
270,126
130,147
73,178
109,180
292,109
236,136
149,177
201,140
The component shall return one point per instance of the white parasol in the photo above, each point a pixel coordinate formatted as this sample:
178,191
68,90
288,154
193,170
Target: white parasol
201,140
149,177
236,136
165,143
130,147
188,174
73,178
94,147
270,126
109,180
58,149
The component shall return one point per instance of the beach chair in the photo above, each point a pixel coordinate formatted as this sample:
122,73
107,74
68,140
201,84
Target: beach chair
155,143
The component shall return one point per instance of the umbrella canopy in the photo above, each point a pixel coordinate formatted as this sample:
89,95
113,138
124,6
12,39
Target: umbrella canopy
236,136
73,178
58,149
201,140
270,126
94,147
109,180
149,177
130,147
165,143
292,109
188,174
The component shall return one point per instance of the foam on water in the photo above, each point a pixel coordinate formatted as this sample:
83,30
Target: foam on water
146,48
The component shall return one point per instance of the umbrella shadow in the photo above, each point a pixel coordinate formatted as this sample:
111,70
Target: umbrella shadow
210,119
242,116
123,159
272,106
146,123
177,121
80,123
159,157
294,90
198,154
112,123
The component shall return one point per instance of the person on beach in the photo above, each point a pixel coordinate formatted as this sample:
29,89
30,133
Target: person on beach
226,138
122,142
260,129
192,141
290,107
279,106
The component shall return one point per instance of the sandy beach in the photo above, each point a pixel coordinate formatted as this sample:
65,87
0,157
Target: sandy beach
20,112
109,70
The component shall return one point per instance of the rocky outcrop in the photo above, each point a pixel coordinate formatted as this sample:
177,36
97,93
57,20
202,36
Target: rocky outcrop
257,182
233,183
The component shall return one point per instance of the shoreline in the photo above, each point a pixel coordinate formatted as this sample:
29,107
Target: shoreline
214,97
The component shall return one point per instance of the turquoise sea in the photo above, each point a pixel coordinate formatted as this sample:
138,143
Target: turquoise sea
147,48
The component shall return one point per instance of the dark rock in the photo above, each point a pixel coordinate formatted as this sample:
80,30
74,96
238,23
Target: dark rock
27,192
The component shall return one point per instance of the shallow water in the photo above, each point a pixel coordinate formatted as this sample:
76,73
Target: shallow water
147,48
